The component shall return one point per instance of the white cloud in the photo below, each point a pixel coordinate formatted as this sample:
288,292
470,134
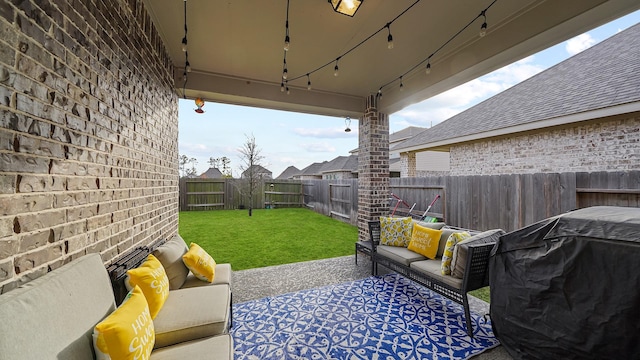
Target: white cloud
318,147
579,43
441,107
328,133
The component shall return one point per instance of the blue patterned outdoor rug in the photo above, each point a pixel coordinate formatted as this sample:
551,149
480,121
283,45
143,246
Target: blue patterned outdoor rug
387,317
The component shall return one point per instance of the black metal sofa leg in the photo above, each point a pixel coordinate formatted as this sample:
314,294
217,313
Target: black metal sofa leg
467,316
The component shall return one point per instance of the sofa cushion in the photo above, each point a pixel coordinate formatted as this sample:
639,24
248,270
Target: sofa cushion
459,262
215,348
395,231
223,276
430,225
200,263
447,256
128,332
78,295
424,241
193,313
446,232
399,254
432,268
170,255
152,280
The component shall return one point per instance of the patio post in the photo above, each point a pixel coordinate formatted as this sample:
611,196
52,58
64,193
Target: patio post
373,166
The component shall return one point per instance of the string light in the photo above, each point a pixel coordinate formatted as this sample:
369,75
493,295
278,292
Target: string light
483,29
428,59
188,66
282,86
285,73
287,39
184,41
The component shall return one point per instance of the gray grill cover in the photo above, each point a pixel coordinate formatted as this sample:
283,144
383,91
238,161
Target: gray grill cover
569,287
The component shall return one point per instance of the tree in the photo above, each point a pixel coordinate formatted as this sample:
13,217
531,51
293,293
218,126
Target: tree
251,159
223,164
187,166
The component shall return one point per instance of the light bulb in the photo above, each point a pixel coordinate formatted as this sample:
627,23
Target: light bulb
336,71
286,43
483,29
379,92
184,43
281,87
428,69
309,85
188,67
390,42
288,92
401,86
285,73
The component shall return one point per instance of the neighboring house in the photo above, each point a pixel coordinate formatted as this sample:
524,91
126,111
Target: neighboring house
311,172
426,163
211,173
288,173
342,167
259,171
582,114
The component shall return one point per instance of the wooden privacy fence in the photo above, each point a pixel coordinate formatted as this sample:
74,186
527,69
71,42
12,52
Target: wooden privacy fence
508,202
229,194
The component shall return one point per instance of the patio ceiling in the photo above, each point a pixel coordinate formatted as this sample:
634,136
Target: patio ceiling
235,47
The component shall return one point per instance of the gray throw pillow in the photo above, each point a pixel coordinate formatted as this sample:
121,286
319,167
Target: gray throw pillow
170,256
459,261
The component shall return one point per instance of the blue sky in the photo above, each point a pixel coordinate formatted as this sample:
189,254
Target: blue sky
287,138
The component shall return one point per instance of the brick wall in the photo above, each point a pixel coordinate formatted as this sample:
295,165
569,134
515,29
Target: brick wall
88,134
373,166
604,145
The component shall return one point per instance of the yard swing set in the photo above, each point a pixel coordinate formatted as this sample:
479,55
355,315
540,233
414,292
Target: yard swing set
424,217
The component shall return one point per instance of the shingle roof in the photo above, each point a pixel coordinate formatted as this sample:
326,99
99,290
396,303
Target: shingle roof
211,173
405,133
288,173
602,76
341,163
313,169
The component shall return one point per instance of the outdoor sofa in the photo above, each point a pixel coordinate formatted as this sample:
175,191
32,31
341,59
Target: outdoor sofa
53,317
469,259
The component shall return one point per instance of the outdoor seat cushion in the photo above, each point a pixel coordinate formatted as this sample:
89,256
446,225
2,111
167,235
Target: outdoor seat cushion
213,348
223,276
399,254
193,313
433,269
459,261
53,316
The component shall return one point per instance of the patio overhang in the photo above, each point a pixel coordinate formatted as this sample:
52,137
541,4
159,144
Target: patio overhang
236,48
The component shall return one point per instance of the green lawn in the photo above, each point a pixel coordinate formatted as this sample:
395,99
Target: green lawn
269,237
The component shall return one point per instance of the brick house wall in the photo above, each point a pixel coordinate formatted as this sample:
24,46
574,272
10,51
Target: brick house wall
602,145
88,134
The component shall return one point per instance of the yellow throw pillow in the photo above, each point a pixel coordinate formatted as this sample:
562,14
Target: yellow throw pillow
200,263
152,279
127,333
395,231
424,241
448,250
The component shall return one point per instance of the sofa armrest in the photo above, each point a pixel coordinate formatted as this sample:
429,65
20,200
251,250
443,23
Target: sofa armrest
477,270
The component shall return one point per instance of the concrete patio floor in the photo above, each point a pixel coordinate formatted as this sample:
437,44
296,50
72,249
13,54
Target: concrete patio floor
258,283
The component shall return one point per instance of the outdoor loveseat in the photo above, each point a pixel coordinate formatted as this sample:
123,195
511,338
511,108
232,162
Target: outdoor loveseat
469,261
53,317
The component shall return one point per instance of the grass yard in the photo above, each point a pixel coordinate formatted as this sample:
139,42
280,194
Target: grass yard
269,237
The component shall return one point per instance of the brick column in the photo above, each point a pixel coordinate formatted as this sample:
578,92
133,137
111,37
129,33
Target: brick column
373,166
408,164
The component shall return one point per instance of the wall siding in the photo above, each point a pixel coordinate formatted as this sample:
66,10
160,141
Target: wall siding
605,145
88,134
